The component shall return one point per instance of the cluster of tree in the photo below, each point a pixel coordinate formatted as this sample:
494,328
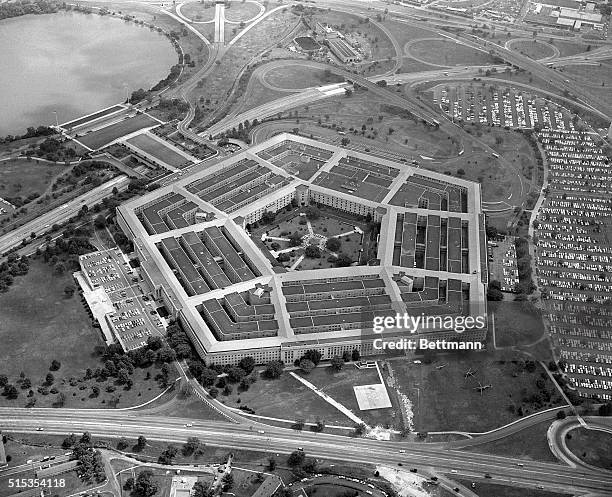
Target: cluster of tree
142,94
12,267
31,131
91,467
143,486
200,489
16,9
525,286
300,464
174,107
242,132
494,292
217,377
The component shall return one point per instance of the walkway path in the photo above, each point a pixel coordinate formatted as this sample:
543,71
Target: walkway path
347,412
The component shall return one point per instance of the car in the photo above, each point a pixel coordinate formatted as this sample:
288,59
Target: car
399,464
456,489
520,464
413,470
487,475
454,471
301,449
188,425
402,451
40,428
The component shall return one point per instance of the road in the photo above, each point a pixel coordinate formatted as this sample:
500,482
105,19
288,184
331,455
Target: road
109,423
44,223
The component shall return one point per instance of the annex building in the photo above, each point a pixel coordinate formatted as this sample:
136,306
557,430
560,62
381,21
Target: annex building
198,257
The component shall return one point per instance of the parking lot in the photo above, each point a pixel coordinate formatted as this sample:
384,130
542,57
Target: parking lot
500,106
135,317
574,258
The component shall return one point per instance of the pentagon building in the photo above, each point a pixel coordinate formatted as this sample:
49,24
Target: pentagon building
234,301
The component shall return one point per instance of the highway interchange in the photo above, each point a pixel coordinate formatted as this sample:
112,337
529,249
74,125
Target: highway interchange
320,445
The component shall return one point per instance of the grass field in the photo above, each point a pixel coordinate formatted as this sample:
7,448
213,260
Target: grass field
448,53
530,444
592,446
241,11
39,324
533,49
444,399
296,76
592,75
384,126
286,398
156,149
495,490
516,323
199,12
404,33
22,177
97,139
340,387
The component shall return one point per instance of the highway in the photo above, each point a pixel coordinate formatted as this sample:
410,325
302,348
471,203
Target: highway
241,436
44,222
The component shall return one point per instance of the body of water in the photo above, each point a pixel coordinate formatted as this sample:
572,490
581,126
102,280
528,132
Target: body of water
74,64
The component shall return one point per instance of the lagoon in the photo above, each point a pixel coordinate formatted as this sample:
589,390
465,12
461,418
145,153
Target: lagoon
74,64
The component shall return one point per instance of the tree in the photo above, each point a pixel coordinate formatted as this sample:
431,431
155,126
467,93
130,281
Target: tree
69,290
167,455
296,458
267,217
312,251
298,425
306,365
337,363
274,369
3,380
333,244
69,441
122,444
295,239
141,443
313,355
10,391
312,212
343,260
271,463
145,486
193,444
123,376
228,482
26,383
55,365
154,343
235,374
561,414
49,379
201,490
100,222
129,484
95,390
247,364
355,355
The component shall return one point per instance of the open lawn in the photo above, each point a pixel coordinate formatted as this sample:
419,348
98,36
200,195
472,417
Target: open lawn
404,33
339,386
99,138
447,53
22,177
286,398
592,446
530,444
241,11
445,399
516,323
384,126
39,323
157,149
592,75
494,490
199,12
567,48
296,76
533,49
